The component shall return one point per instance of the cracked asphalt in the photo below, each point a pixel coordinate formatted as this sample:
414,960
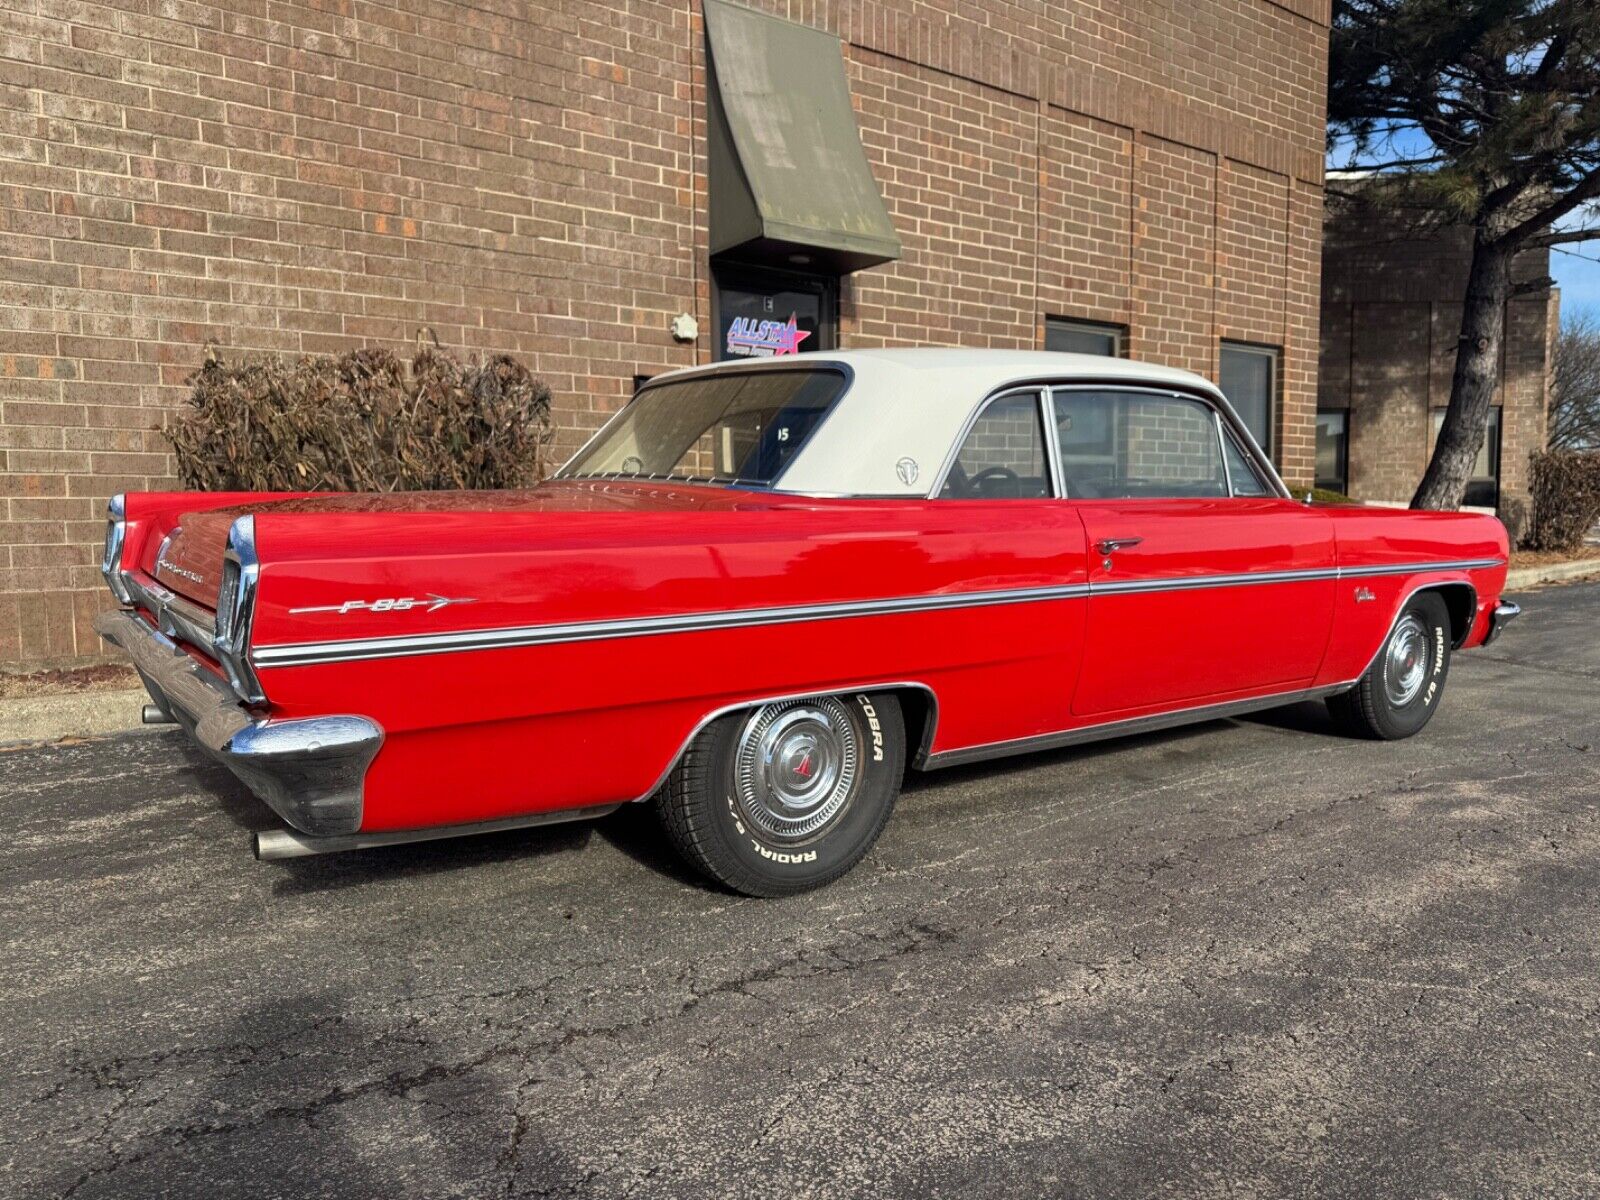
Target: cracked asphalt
1250,958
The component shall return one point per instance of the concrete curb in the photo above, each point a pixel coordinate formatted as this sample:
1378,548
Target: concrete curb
31,719
1527,577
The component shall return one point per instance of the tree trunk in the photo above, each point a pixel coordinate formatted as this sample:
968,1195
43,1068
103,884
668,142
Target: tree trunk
1472,385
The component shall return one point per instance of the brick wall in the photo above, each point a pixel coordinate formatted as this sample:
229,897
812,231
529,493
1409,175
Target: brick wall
1391,315
301,176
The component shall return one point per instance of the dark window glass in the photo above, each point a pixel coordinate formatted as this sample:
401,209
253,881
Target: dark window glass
1002,457
1132,445
1249,381
1333,450
1082,337
742,427
1483,489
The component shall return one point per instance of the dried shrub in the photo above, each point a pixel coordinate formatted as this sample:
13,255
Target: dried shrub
363,422
1566,499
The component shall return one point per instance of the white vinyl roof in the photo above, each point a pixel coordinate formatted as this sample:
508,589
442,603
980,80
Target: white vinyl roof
914,403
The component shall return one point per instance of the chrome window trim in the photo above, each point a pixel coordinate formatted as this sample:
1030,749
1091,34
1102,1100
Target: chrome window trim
1222,451
515,637
801,363
1219,406
1041,390
1052,446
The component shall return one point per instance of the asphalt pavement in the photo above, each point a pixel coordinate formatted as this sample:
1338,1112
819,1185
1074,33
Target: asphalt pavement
1250,958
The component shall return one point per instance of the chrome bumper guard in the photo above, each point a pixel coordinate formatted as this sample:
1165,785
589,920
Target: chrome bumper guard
311,771
1504,613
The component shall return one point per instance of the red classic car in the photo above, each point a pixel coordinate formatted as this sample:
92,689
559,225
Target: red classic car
764,589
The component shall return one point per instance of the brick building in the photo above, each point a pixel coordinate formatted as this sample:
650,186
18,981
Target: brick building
1391,315
298,176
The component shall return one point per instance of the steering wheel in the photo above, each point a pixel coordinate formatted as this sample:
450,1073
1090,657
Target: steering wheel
977,482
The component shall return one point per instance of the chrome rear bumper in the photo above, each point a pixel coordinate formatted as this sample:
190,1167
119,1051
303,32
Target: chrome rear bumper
1504,613
311,772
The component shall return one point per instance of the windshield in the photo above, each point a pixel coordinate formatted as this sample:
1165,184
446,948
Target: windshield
736,428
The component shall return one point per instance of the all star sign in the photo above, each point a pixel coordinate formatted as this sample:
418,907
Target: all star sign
765,339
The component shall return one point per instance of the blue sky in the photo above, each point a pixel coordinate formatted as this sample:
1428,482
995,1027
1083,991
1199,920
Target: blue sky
1579,278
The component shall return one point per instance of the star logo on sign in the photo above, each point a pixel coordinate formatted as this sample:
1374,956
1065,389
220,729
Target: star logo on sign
789,338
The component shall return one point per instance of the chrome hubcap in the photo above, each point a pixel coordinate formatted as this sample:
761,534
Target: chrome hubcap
795,768
1406,662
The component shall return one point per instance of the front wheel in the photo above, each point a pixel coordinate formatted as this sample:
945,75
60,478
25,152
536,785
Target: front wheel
1401,689
786,797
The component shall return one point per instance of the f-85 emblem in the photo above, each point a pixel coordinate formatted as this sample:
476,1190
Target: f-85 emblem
432,602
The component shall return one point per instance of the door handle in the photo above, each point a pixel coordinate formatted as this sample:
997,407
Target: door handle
1112,545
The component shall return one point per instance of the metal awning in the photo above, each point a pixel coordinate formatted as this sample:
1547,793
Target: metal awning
790,184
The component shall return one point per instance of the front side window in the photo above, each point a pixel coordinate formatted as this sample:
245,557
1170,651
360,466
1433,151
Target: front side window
736,428
1137,445
1249,379
1003,455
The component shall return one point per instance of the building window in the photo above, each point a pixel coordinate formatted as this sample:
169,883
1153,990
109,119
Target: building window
1083,337
1333,450
1483,489
1250,382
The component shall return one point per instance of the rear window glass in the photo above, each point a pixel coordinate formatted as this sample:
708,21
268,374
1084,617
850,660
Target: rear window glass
735,428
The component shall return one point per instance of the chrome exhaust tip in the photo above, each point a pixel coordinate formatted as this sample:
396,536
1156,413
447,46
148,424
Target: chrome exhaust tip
154,714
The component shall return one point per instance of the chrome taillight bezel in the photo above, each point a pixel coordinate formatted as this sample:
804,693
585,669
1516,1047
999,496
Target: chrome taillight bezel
236,605
111,559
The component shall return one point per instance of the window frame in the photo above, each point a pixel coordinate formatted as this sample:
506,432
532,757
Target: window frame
1274,356
1223,411
1117,333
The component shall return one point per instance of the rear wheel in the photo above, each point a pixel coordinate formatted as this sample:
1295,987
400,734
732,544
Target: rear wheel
1401,689
786,797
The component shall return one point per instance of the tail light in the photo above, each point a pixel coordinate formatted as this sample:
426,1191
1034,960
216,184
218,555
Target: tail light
236,605
111,561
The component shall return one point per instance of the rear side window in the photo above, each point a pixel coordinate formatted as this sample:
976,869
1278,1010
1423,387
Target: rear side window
1003,455
1137,445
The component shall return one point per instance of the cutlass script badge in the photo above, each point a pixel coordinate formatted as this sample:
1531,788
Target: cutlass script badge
432,602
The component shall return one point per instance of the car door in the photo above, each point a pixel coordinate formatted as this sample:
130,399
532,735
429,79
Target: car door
1001,475
1205,582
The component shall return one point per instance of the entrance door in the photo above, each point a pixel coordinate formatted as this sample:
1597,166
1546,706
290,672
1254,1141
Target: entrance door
762,314
1200,591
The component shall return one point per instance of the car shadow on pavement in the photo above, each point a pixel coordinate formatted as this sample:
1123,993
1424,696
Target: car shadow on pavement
635,830
386,864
